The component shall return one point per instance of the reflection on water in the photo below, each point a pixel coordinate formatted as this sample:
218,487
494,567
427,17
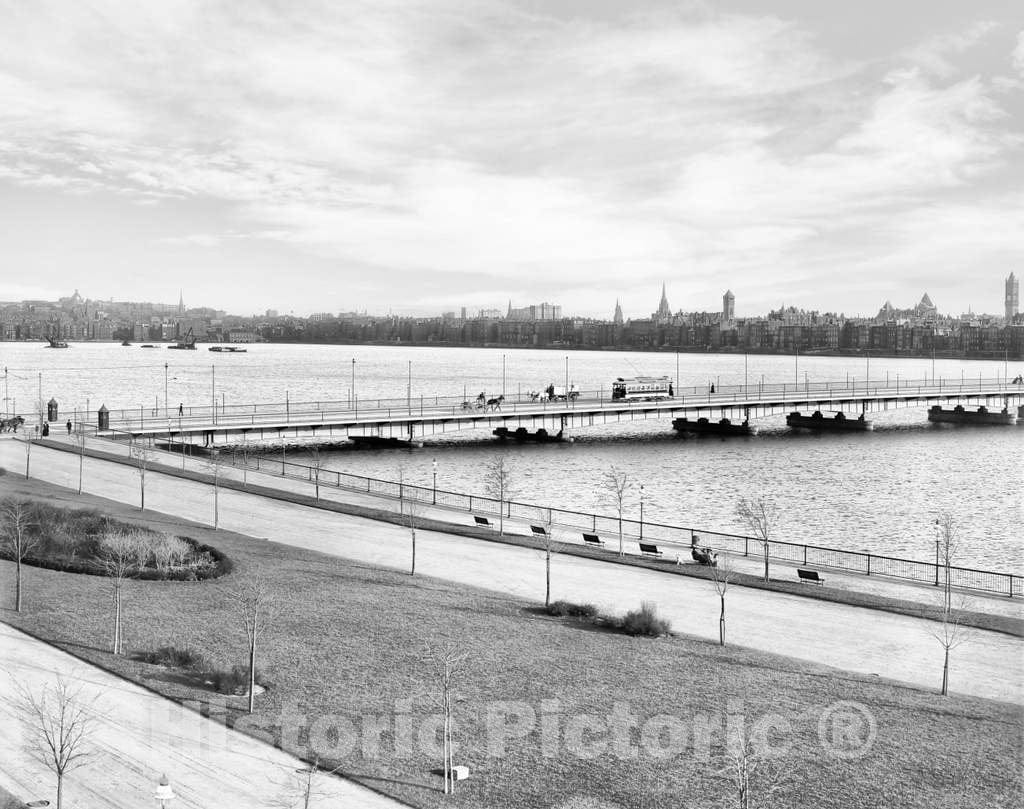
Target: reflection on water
878,491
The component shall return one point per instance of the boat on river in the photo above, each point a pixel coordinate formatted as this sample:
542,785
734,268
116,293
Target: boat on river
55,343
228,349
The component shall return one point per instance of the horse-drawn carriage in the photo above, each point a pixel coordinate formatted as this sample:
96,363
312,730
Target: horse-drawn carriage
481,402
11,424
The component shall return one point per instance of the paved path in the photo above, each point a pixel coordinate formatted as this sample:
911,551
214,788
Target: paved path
917,592
138,736
856,639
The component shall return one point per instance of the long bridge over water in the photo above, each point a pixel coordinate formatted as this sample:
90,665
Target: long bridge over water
419,418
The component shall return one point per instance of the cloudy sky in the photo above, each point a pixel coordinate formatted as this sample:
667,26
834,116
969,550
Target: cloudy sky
422,156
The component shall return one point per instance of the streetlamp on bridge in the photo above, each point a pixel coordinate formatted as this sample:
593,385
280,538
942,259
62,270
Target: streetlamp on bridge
433,465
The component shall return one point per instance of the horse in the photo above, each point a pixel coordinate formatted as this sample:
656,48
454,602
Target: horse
13,424
495,404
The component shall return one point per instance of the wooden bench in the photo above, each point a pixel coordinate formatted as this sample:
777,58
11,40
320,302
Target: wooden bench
809,576
539,530
649,549
593,539
482,521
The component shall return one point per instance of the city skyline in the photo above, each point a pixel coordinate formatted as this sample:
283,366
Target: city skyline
416,158
1008,306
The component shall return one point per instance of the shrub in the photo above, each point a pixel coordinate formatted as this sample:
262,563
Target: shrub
173,657
645,622
235,681
570,609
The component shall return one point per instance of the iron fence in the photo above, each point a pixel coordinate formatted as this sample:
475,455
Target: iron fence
676,538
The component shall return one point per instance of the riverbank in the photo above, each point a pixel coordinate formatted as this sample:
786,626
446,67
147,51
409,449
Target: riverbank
350,642
898,597
870,642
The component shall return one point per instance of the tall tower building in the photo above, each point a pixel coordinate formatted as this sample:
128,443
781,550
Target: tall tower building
663,313
617,318
728,305
181,302
1012,296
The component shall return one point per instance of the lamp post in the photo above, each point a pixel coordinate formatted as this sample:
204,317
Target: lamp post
641,511
502,374
355,402
433,464
936,552
566,379
166,402
164,792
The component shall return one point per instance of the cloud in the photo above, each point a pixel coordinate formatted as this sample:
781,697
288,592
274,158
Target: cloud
1018,54
560,151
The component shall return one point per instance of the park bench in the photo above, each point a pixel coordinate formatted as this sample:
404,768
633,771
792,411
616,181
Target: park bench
593,539
482,521
539,530
649,549
809,576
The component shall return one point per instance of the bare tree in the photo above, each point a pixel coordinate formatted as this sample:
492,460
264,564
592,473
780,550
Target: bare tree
315,467
752,779
550,548
28,452
81,456
256,608
215,464
618,489
59,722
142,458
118,559
413,515
17,540
499,484
448,663
722,574
304,786
948,548
950,634
761,515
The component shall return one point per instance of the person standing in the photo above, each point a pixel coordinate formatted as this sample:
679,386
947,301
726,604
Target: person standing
68,425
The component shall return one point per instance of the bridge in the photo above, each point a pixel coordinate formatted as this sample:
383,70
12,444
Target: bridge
419,418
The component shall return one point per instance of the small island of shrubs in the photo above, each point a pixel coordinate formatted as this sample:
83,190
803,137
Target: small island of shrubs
87,541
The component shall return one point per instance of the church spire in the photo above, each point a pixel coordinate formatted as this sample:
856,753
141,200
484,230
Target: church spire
617,318
181,302
664,312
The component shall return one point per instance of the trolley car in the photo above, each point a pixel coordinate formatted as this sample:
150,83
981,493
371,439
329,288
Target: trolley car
642,388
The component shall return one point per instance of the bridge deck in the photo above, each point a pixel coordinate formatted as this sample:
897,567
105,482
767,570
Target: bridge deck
422,419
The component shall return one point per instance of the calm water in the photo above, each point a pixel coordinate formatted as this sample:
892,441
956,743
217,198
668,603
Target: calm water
876,490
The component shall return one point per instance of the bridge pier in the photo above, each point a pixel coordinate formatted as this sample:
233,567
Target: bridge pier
960,415
839,422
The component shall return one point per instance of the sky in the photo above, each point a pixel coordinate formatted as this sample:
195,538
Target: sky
418,157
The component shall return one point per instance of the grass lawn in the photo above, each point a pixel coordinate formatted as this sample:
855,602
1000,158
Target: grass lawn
350,640
871,600
8,801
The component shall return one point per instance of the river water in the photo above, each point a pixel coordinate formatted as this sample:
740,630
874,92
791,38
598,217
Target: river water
879,491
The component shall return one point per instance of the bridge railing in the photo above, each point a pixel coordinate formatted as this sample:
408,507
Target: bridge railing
675,538
154,417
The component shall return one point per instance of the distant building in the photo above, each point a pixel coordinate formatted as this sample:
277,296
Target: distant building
540,311
664,312
1012,296
271,313
489,314
617,317
728,306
